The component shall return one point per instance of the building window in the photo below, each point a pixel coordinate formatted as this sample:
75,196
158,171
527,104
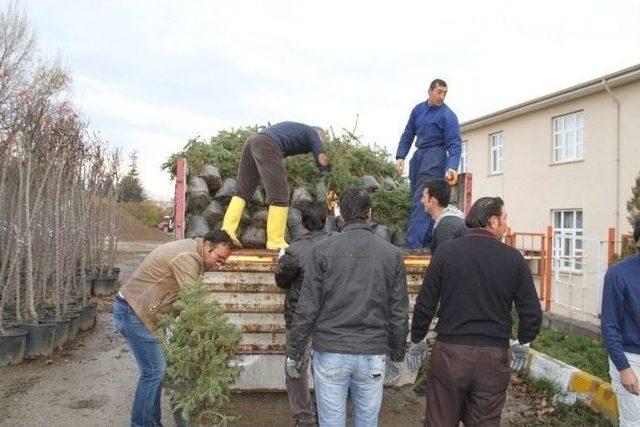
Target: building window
462,168
567,240
568,131
495,153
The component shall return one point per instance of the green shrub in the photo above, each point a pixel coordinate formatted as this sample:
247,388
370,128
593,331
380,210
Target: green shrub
222,150
146,212
349,158
200,352
588,355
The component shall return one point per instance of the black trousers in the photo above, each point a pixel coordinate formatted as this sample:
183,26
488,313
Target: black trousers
262,160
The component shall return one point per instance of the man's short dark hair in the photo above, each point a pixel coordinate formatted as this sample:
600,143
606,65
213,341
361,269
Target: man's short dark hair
482,210
439,189
636,232
355,205
437,82
219,237
314,215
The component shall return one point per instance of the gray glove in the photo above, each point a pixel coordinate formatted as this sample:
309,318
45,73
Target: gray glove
519,355
416,355
393,371
292,368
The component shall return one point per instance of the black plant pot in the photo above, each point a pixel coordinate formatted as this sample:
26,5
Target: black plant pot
40,339
74,325
62,330
89,285
103,286
12,346
181,422
88,316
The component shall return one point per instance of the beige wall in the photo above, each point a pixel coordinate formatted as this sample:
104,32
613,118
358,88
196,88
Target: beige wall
532,185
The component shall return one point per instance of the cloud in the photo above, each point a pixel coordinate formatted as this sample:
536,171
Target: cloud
151,74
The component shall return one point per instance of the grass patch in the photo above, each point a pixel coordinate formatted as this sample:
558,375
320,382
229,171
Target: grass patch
585,354
564,415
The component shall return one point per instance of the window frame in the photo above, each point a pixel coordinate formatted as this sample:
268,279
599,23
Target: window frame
567,144
499,148
464,155
571,234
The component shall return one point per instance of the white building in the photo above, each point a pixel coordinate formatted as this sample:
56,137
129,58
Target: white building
569,160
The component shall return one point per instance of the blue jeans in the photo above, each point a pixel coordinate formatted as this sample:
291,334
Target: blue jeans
150,359
334,374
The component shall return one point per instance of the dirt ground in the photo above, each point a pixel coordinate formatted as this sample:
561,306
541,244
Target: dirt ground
130,229
91,383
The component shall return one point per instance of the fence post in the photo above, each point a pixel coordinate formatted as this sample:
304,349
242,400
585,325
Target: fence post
547,268
611,246
468,195
179,204
508,237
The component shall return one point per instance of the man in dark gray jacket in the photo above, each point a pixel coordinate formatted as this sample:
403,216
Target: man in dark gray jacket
289,275
354,304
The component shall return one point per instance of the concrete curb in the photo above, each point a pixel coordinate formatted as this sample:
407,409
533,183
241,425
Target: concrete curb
595,392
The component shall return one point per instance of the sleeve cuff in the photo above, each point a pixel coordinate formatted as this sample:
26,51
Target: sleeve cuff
621,363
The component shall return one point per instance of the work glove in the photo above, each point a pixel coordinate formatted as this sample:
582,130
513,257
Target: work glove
292,368
393,371
399,166
416,355
519,355
451,177
332,201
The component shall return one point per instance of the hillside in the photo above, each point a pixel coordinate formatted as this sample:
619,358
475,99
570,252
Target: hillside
132,230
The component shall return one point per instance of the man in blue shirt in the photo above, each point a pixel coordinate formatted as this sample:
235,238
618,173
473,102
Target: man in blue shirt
621,332
437,133
263,160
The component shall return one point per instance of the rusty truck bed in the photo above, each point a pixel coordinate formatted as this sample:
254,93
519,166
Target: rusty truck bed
246,289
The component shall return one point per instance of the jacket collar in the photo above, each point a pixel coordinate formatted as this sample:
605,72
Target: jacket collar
312,234
480,232
357,225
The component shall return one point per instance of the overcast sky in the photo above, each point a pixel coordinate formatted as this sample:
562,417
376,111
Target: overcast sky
152,74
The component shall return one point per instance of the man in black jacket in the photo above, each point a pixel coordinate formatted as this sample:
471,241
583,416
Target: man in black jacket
354,304
289,275
477,280
448,224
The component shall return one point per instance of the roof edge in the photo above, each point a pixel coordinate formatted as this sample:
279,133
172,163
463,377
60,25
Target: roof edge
617,78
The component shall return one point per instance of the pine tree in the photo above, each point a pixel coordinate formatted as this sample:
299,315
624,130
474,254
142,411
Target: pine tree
633,205
130,186
201,349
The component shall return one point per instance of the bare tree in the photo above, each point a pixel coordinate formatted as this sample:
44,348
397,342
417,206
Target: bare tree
58,183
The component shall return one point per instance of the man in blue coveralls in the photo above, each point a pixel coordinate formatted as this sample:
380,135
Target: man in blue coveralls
437,156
